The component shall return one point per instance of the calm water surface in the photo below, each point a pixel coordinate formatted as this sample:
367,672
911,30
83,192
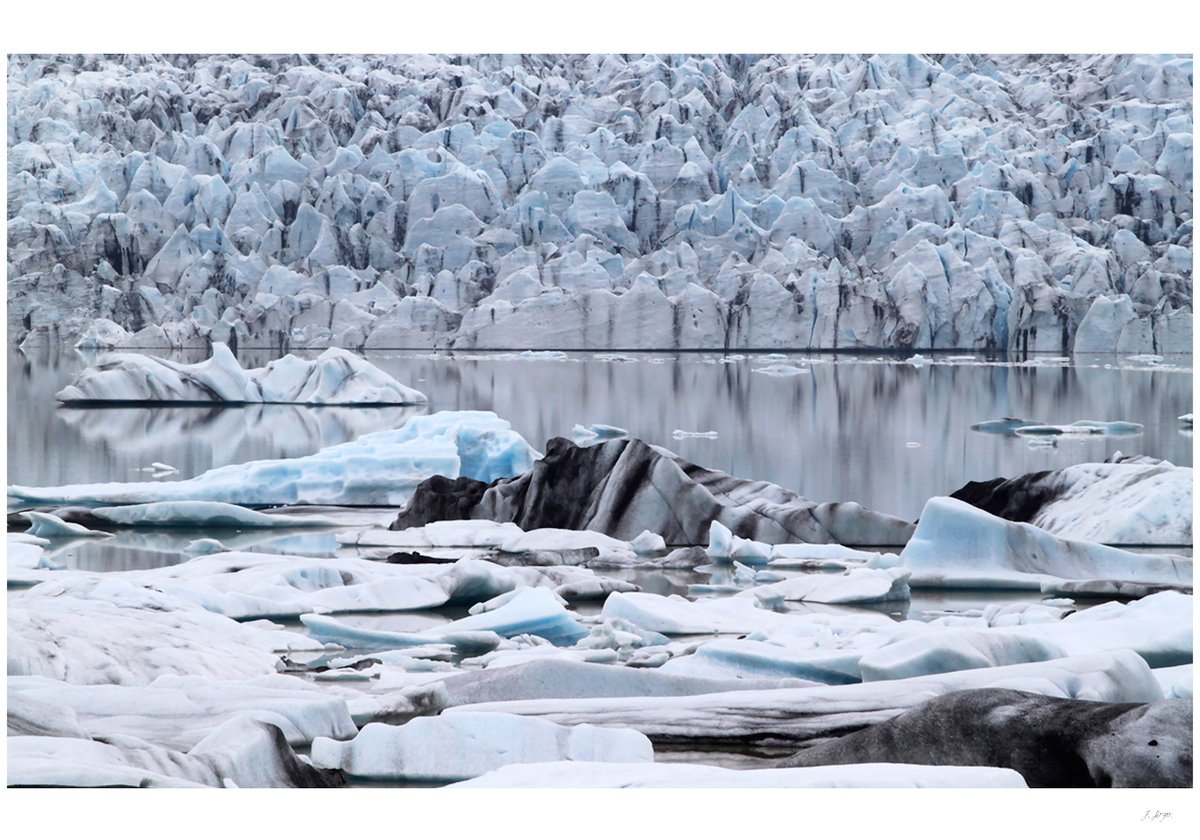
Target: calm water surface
874,430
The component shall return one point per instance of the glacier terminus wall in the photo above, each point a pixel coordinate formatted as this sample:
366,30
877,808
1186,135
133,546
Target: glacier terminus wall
1008,203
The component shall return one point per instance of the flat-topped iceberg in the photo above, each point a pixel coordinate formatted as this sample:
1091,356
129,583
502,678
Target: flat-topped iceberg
377,469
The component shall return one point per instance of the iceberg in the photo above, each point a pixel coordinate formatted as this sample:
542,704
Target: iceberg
624,487
1050,741
440,749
377,469
957,545
336,377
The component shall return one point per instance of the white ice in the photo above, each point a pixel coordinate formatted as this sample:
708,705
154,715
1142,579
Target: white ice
445,748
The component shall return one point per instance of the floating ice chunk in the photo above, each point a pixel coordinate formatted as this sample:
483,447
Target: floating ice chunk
917,360
723,545
336,377
163,469
535,612
377,469
1007,426
27,561
858,586
203,514
445,748
596,433
552,355
613,357
799,714
957,545
680,434
774,357
466,533
648,543
782,370
205,545
49,525
583,774
1185,420
1082,427
674,615
561,539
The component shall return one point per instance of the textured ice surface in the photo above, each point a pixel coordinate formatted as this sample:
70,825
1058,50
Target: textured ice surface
603,201
467,745
377,469
89,630
802,713
957,545
336,377
582,774
180,711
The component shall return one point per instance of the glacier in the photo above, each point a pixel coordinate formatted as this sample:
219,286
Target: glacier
602,202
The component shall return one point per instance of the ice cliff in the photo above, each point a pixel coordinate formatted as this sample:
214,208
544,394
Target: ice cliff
578,202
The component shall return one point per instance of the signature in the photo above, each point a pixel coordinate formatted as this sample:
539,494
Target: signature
1156,816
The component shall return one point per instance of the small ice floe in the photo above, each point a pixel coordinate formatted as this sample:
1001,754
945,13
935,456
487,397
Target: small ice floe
680,434
550,355
1185,420
1145,359
1006,426
917,360
782,370
595,433
460,745
1082,428
732,359
773,357
648,543
613,357
206,545
51,526
1042,443
159,468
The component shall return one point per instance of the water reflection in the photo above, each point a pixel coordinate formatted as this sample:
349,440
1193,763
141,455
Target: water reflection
843,430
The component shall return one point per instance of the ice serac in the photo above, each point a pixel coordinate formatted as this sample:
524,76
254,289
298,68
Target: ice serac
336,377
444,748
602,201
380,468
1050,741
1129,502
958,545
624,487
